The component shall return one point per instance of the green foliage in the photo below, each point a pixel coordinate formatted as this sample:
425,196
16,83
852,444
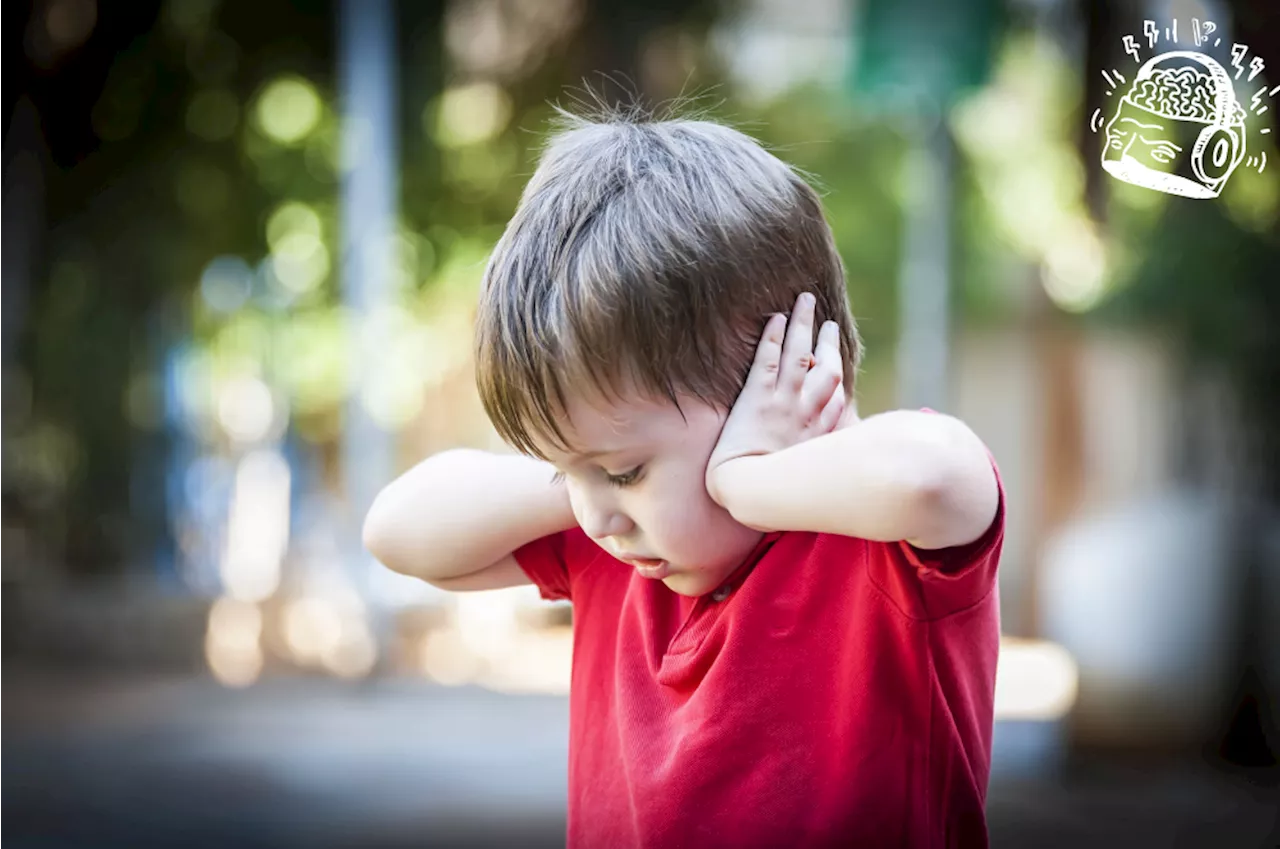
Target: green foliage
1211,285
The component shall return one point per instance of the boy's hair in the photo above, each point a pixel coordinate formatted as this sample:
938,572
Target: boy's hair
648,255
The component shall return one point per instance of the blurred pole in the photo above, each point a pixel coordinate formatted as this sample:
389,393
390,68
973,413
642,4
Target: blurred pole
924,285
22,215
369,198
1054,340
914,59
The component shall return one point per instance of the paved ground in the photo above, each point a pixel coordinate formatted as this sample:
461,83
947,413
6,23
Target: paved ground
140,762
286,763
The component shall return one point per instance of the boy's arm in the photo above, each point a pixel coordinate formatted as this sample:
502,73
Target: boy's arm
905,475
461,513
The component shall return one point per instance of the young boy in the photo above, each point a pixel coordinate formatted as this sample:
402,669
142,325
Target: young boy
786,619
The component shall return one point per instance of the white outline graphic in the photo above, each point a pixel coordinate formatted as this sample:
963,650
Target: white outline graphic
1180,96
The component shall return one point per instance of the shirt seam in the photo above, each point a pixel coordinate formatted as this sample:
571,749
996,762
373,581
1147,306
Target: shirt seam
929,727
893,603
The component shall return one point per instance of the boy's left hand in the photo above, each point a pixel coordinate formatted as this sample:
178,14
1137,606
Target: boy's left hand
792,393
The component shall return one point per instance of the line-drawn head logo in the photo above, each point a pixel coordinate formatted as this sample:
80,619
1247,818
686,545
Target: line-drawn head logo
1178,127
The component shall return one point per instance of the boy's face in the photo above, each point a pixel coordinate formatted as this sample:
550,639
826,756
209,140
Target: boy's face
644,495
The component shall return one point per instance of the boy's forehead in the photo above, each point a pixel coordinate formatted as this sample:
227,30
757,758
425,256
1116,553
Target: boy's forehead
597,418
597,426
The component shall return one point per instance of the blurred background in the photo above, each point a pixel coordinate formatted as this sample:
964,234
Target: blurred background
242,246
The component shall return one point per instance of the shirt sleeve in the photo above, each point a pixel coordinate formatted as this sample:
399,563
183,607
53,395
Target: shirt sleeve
551,562
951,579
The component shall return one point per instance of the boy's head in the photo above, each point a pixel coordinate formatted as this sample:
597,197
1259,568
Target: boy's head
622,308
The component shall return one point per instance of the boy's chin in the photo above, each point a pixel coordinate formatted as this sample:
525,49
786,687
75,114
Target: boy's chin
692,584
682,585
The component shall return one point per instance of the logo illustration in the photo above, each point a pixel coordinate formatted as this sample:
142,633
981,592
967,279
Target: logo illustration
1178,127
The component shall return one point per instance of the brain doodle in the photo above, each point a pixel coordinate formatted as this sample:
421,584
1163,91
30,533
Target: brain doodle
1183,93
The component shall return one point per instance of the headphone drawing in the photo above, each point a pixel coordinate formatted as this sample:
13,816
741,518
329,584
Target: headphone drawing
1220,145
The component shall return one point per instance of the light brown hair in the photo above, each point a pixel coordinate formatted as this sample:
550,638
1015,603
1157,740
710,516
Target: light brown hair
648,254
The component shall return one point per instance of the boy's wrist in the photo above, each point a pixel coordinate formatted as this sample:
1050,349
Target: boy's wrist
562,506
716,477
729,477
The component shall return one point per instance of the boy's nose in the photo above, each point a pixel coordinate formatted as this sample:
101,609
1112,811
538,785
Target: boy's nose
602,523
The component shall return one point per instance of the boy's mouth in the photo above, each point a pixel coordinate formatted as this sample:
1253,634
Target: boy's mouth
648,567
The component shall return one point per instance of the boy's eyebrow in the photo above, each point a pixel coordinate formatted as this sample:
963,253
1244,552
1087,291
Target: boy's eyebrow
591,455
575,457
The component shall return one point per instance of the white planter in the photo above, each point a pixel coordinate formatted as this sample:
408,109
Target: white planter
1144,599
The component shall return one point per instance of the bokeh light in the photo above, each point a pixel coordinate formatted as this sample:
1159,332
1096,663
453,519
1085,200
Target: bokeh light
257,526
246,409
288,110
1034,680
314,366
467,115
300,261
354,653
232,642
226,283
311,625
1075,267
289,218
393,393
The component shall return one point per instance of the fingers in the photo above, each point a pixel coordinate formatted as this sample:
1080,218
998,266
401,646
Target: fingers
786,355
826,379
828,347
829,342
831,413
798,349
764,370
827,373
832,364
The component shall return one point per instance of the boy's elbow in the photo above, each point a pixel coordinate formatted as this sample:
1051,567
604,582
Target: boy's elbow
378,533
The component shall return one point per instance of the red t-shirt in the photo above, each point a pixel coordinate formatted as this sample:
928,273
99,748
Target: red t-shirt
839,694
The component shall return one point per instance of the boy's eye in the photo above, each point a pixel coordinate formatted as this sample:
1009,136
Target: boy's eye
625,479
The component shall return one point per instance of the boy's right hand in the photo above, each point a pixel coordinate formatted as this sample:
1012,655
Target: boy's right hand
790,394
